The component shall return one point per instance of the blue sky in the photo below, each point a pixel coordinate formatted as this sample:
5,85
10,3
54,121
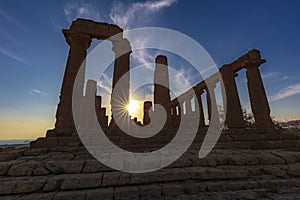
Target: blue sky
33,51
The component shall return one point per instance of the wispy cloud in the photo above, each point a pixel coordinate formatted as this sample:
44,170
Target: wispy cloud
33,91
4,51
269,75
105,83
82,10
180,82
12,39
12,55
275,76
136,13
11,19
286,92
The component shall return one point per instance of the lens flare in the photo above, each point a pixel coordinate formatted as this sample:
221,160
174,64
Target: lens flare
132,107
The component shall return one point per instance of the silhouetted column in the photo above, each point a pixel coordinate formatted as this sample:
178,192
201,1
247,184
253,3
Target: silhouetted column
176,116
101,112
258,98
121,75
90,96
234,114
147,108
200,107
188,105
77,54
161,83
211,100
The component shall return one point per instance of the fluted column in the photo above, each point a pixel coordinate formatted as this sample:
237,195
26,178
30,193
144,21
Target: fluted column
199,108
78,45
147,108
121,75
212,106
234,114
188,105
161,87
258,98
161,83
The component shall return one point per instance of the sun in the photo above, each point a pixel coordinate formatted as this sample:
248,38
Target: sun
132,107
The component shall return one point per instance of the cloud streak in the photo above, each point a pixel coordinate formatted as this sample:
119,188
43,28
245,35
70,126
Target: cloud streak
12,55
105,83
136,13
36,91
286,92
82,10
10,19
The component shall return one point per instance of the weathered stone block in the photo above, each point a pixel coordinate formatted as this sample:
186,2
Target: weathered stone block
126,192
21,169
294,169
236,173
110,178
74,195
206,173
7,186
81,181
152,191
40,170
68,167
172,189
4,166
101,193
139,178
54,183
29,185
91,166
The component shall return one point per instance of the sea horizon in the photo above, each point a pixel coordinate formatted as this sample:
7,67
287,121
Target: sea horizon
15,142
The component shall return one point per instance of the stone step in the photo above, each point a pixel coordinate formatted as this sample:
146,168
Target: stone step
37,162
70,180
241,189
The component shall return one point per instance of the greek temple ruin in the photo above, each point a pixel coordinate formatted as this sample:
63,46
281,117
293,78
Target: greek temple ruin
234,116
260,162
79,37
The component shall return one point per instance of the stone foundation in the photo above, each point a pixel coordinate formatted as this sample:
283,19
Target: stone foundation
226,173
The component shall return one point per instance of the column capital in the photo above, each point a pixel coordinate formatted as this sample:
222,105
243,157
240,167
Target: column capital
121,46
199,91
226,69
81,39
175,102
209,86
250,64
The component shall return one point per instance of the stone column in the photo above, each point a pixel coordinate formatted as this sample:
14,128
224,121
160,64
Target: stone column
122,50
212,106
101,113
258,98
188,105
78,45
175,117
90,107
161,83
199,108
234,114
161,87
147,109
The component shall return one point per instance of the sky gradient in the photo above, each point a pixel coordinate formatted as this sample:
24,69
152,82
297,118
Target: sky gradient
33,50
